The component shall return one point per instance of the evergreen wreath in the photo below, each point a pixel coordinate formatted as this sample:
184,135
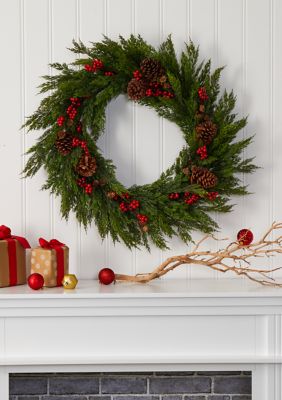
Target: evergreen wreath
186,92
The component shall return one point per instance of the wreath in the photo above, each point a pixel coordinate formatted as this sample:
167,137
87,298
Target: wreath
201,180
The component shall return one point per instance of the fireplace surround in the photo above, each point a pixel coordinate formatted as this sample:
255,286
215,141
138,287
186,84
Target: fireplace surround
168,325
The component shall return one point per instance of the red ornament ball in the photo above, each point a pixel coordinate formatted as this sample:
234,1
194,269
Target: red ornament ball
245,237
106,276
35,281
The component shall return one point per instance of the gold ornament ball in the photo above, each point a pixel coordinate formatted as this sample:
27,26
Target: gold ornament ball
69,281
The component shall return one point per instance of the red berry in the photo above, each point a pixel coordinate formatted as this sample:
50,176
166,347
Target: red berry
97,64
202,93
174,196
75,142
79,127
186,194
75,101
88,188
81,182
133,205
143,219
245,237
137,74
123,207
60,120
212,195
87,67
202,152
193,199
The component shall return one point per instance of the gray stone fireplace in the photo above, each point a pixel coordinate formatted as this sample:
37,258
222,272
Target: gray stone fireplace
232,385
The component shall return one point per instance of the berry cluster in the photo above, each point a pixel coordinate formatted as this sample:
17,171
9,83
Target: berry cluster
189,198
137,75
212,196
125,196
71,111
96,66
88,187
202,152
157,90
133,205
60,120
72,108
76,142
173,196
192,199
126,204
202,93
123,207
142,218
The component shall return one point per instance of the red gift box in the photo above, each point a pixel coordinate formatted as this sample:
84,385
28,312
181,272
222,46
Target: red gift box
12,258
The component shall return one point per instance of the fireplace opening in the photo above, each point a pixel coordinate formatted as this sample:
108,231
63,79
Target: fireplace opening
201,385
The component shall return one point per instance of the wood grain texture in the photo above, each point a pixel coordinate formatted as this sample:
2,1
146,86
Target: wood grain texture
243,35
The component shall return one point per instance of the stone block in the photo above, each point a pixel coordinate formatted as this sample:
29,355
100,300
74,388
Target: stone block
122,385
27,385
188,385
73,385
233,385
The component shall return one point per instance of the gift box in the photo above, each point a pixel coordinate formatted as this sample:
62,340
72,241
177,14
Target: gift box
12,258
51,260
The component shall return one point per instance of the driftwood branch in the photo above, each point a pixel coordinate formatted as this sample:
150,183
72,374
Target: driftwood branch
234,257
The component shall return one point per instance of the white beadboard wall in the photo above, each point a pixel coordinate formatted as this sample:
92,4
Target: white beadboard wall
244,35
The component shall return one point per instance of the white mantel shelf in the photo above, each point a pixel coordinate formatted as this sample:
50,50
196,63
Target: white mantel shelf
165,297
164,325
169,288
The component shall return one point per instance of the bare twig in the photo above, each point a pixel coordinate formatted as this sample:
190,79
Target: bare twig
234,258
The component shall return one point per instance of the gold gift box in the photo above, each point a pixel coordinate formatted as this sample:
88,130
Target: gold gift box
4,264
44,262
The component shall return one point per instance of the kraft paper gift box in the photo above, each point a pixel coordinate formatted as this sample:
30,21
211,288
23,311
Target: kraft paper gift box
12,258
51,261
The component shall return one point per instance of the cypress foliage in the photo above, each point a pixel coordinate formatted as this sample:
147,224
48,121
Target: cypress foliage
165,216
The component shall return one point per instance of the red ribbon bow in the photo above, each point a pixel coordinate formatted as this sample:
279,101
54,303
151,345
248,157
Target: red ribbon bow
5,234
54,244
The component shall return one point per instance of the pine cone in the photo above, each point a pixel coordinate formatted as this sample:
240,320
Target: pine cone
64,143
151,69
203,177
136,89
86,166
206,131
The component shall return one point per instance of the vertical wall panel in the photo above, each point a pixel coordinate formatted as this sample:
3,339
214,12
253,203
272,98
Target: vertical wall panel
258,207
12,205
231,29
37,58
203,32
62,35
93,253
175,21
120,132
276,115
148,137
243,34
